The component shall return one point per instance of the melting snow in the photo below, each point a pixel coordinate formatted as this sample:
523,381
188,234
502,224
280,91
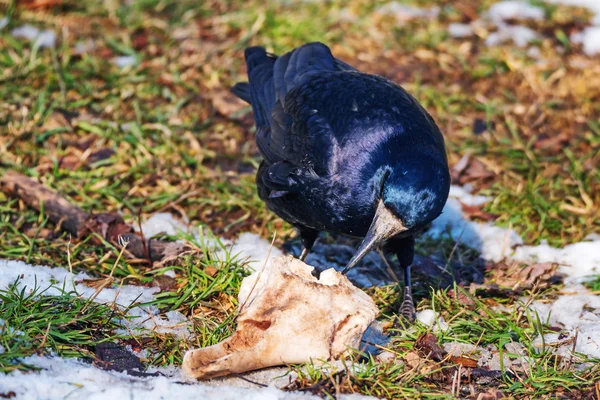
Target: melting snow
162,223
520,35
577,312
46,38
460,30
590,37
513,9
405,12
124,61
67,378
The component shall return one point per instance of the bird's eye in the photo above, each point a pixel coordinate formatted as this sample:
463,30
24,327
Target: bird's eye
424,196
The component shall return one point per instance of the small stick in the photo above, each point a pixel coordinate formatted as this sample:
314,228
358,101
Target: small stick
80,224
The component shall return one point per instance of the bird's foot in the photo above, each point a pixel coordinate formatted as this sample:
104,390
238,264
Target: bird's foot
407,309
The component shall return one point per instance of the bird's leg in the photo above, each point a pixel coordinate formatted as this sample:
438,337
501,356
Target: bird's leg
307,237
405,250
388,267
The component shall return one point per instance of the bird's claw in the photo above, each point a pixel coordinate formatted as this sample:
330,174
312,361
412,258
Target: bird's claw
407,309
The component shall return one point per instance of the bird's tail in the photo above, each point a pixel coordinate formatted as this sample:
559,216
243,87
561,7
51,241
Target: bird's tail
259,91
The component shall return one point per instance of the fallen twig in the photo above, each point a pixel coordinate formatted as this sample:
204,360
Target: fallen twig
77,222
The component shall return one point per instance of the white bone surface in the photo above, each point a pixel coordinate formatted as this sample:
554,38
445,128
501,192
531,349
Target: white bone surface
287,316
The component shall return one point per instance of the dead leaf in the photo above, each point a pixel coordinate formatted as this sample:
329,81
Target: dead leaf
475,212
412,359
552,144
70,162
462,298
165,283
464,361
471,170
428,346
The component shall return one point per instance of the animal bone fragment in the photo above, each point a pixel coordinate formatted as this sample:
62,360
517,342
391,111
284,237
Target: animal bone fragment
287,316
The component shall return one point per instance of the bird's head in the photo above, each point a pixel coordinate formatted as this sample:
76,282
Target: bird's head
411,195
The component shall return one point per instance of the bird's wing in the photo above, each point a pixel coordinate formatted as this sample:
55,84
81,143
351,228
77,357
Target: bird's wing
297,130
291,135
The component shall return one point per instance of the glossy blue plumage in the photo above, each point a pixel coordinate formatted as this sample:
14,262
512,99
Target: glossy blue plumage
331,136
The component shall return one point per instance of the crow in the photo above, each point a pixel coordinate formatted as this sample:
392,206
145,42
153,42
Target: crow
344,152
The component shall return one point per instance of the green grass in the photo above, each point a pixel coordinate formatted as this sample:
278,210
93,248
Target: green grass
33,322
482,325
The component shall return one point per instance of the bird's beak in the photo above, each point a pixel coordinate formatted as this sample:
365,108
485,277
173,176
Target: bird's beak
384,226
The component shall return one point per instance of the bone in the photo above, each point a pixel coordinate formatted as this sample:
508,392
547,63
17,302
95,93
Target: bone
287,316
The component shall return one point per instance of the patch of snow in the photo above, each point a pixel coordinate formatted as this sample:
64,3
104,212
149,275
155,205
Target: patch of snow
493,242
28,32
404,12
124,61
458,349
84,46
162,223
463,194
578,312
61,378
514,9
254,249
590,39
55,279
431,319
534,52
148,318
519,35
457,30
4,21
45,38
577,260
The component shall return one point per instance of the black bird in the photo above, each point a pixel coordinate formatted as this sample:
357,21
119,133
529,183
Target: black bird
344,152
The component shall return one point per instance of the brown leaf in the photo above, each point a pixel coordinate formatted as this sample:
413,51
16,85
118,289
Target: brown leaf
96,283
552,144
462,298
43,233
428,346
464,361
539,271
469,170
57,120
139,41
165,283
475,212
412,359
70,162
